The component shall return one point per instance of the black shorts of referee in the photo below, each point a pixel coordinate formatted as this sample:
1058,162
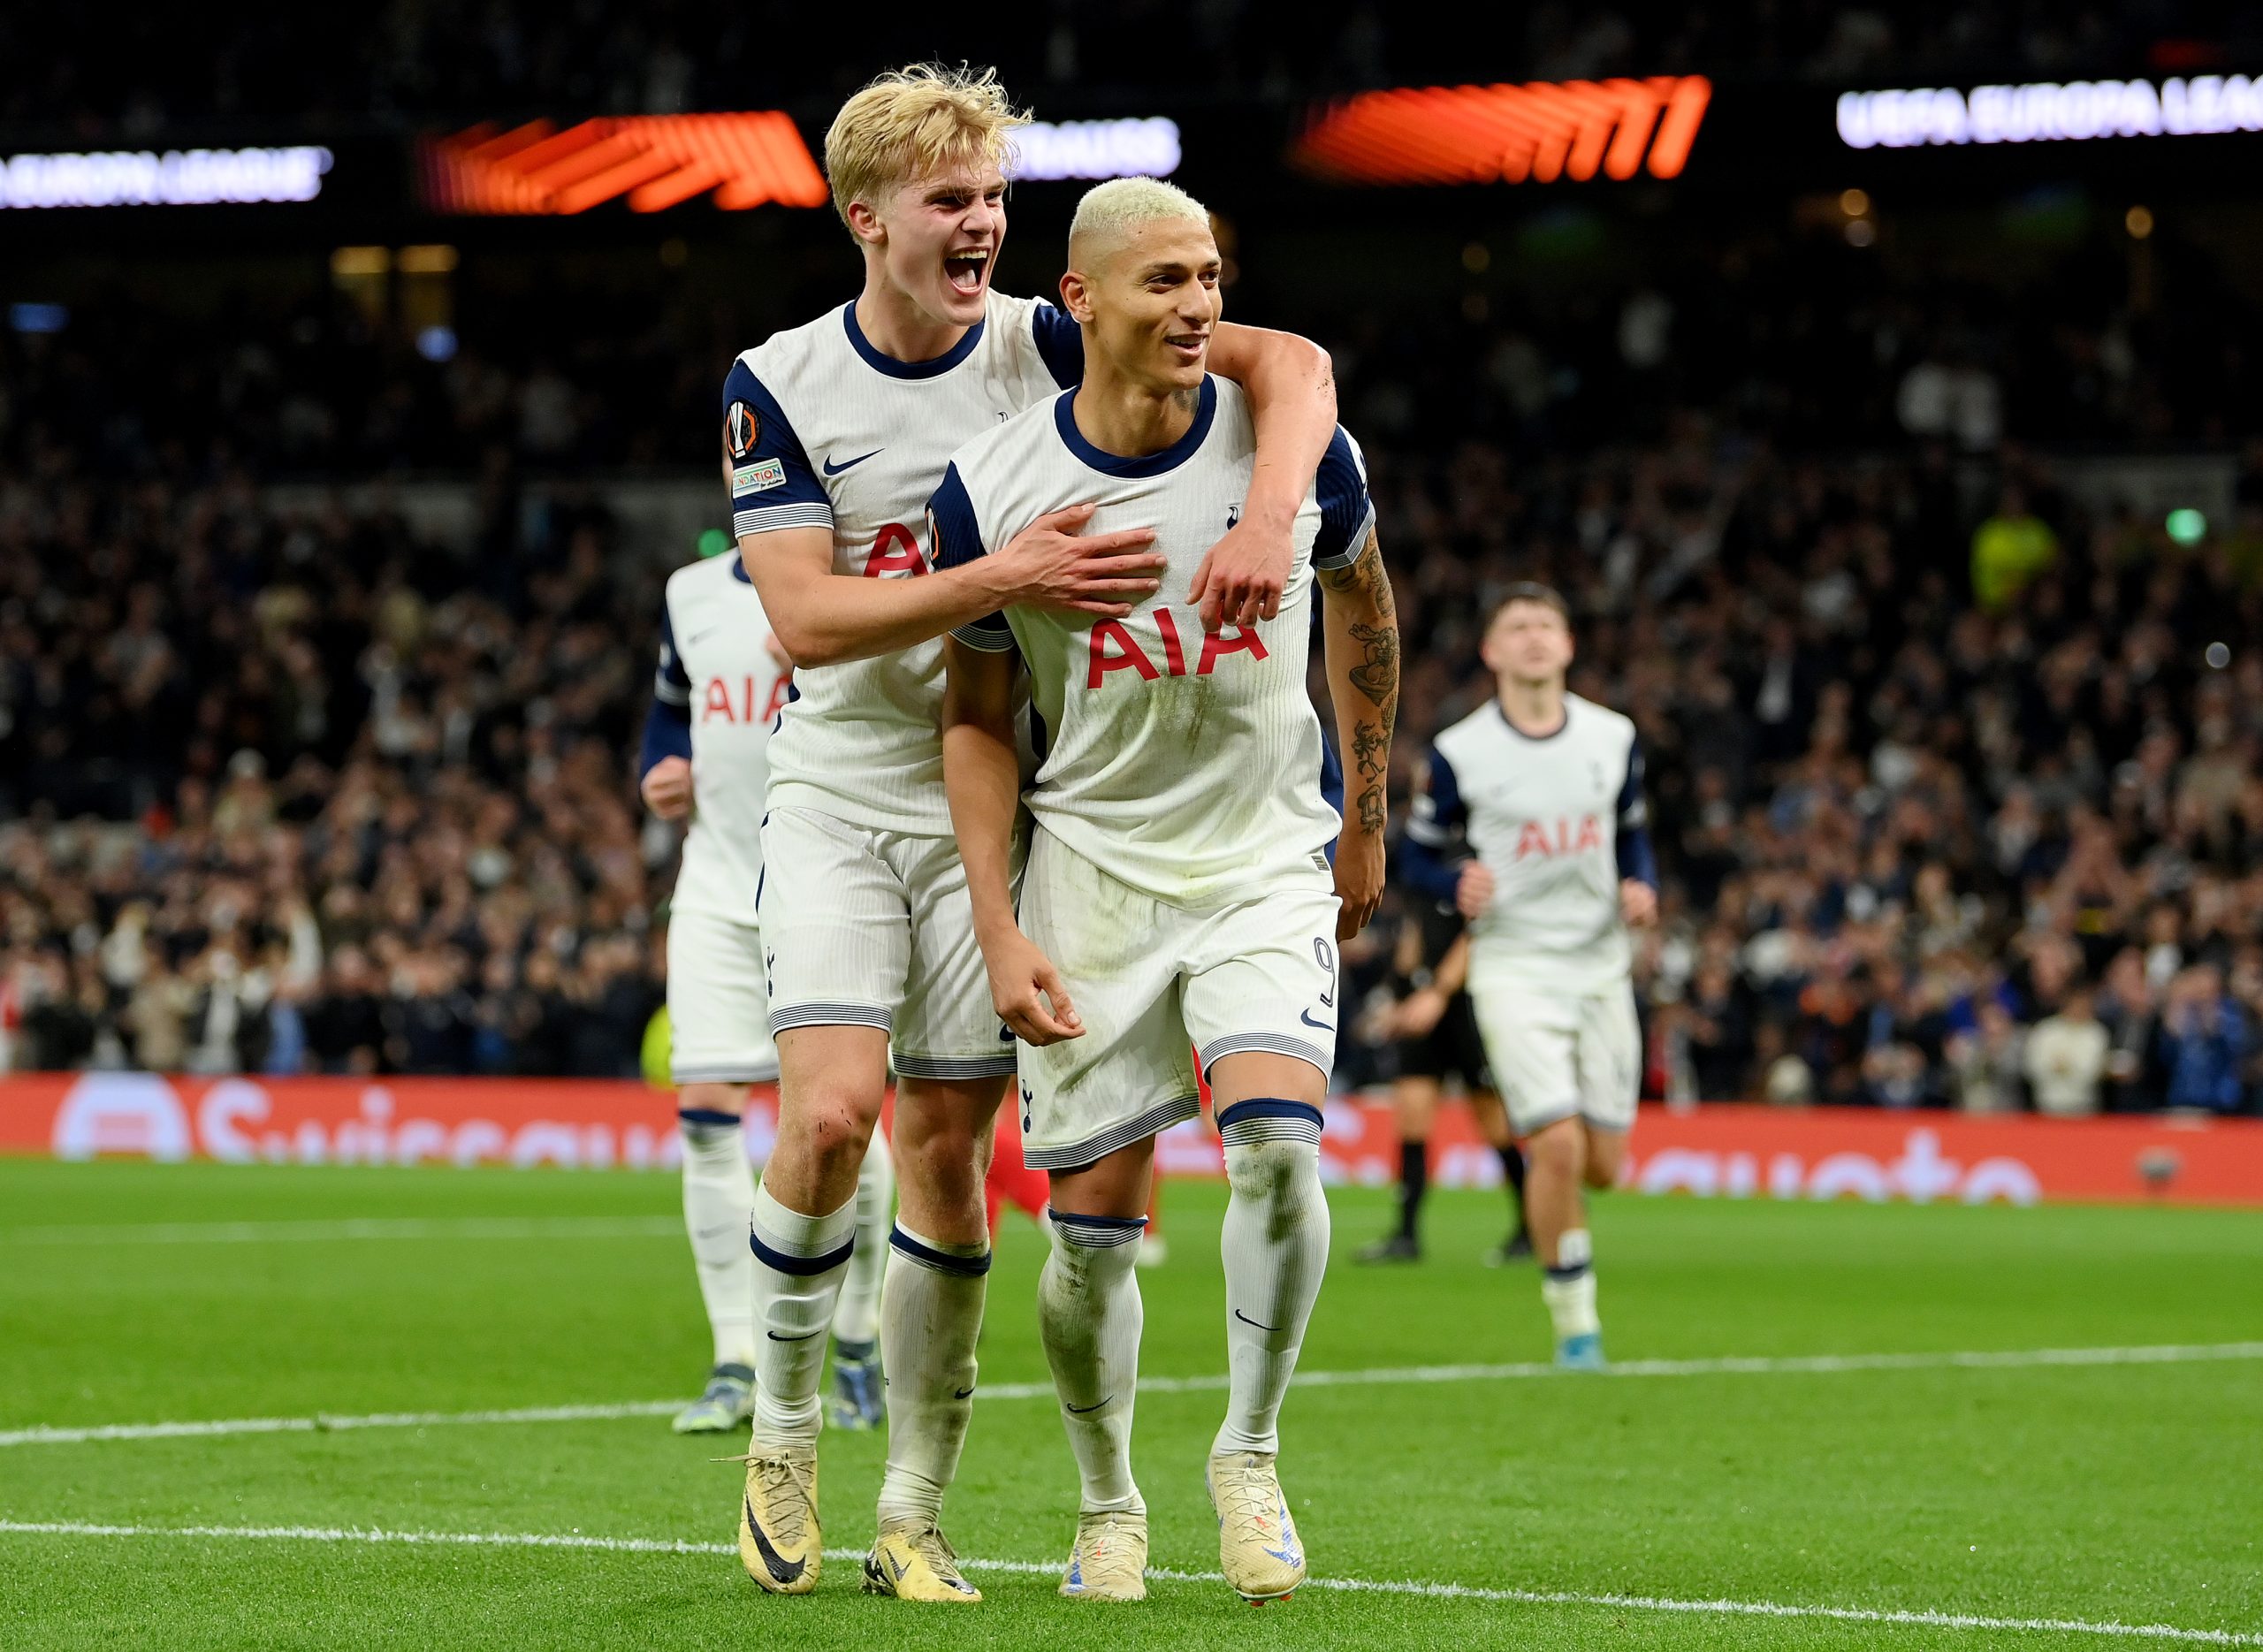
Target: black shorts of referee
1453,1049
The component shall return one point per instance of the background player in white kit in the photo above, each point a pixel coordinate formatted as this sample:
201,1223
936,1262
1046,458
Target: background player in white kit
717,690
1547,789
837,431
1178,878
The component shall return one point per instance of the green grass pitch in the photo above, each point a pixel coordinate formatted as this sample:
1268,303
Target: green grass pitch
2090,1494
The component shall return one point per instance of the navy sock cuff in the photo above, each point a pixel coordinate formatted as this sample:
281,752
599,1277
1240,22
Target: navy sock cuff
1099,1233
801,1266
1270,1118
942,1261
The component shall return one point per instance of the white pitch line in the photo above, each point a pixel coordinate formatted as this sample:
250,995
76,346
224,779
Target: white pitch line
1787,1364
354,1228
336,1424
1347,1586
2173,1354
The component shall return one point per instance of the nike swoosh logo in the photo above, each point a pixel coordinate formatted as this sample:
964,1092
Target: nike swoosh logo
1245,1319
804,1338
963,1393
1305,1015
781,1568
1078,1410
831,469
696,635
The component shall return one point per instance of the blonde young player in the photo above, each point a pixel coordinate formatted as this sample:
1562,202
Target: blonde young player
1547,790
837,431
1179,884
718,689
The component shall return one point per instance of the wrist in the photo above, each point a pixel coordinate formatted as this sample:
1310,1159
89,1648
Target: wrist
985,577
996,926
1272,508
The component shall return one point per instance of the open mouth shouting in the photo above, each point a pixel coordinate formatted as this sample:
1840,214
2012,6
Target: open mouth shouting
967,270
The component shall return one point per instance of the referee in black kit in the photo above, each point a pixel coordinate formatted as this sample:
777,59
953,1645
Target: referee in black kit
1435,1031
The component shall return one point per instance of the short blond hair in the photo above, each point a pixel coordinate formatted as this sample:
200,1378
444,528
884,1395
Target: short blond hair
1110,211
911,122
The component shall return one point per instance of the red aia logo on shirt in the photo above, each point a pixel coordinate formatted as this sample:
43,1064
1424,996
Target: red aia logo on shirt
1111,646
896,551
1532,839
716,701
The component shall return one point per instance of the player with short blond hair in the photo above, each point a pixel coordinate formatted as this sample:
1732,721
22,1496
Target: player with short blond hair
837,431
1179,888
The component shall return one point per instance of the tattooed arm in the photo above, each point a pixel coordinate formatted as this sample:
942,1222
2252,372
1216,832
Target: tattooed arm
1361,624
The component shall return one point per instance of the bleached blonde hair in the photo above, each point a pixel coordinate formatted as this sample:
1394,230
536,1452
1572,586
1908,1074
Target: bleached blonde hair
910,122
1110,211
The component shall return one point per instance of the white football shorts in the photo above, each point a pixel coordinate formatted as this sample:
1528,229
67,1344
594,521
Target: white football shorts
869,928
1149,979
719,1006
1560,1055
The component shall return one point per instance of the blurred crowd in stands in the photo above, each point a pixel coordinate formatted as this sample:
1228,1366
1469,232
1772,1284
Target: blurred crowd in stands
1954,779
306,794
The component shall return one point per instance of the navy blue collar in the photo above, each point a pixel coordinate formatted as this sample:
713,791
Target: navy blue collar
1064,420
1502,712
880,362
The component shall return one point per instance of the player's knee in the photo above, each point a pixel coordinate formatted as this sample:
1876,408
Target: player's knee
833,1121
1560,1149
941,1151
945,1162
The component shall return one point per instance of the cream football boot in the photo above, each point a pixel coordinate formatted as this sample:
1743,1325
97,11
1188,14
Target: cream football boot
1109,1561
916,1562
778,1536
1258,1548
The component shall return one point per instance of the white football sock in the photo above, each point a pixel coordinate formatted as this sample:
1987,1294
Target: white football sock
718,1198
857,1321
1089,1314
799,1262
1568,1288
1275,1247
931,1314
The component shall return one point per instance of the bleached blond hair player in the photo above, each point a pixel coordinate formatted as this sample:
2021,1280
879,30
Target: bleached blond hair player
837,431
1178,886
717,688
1545,790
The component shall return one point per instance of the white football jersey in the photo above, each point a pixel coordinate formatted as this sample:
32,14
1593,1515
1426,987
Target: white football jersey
823,431
1187,766
1545,815
714,662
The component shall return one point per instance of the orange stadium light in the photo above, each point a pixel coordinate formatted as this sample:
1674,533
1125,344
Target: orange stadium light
1539,132
656,161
